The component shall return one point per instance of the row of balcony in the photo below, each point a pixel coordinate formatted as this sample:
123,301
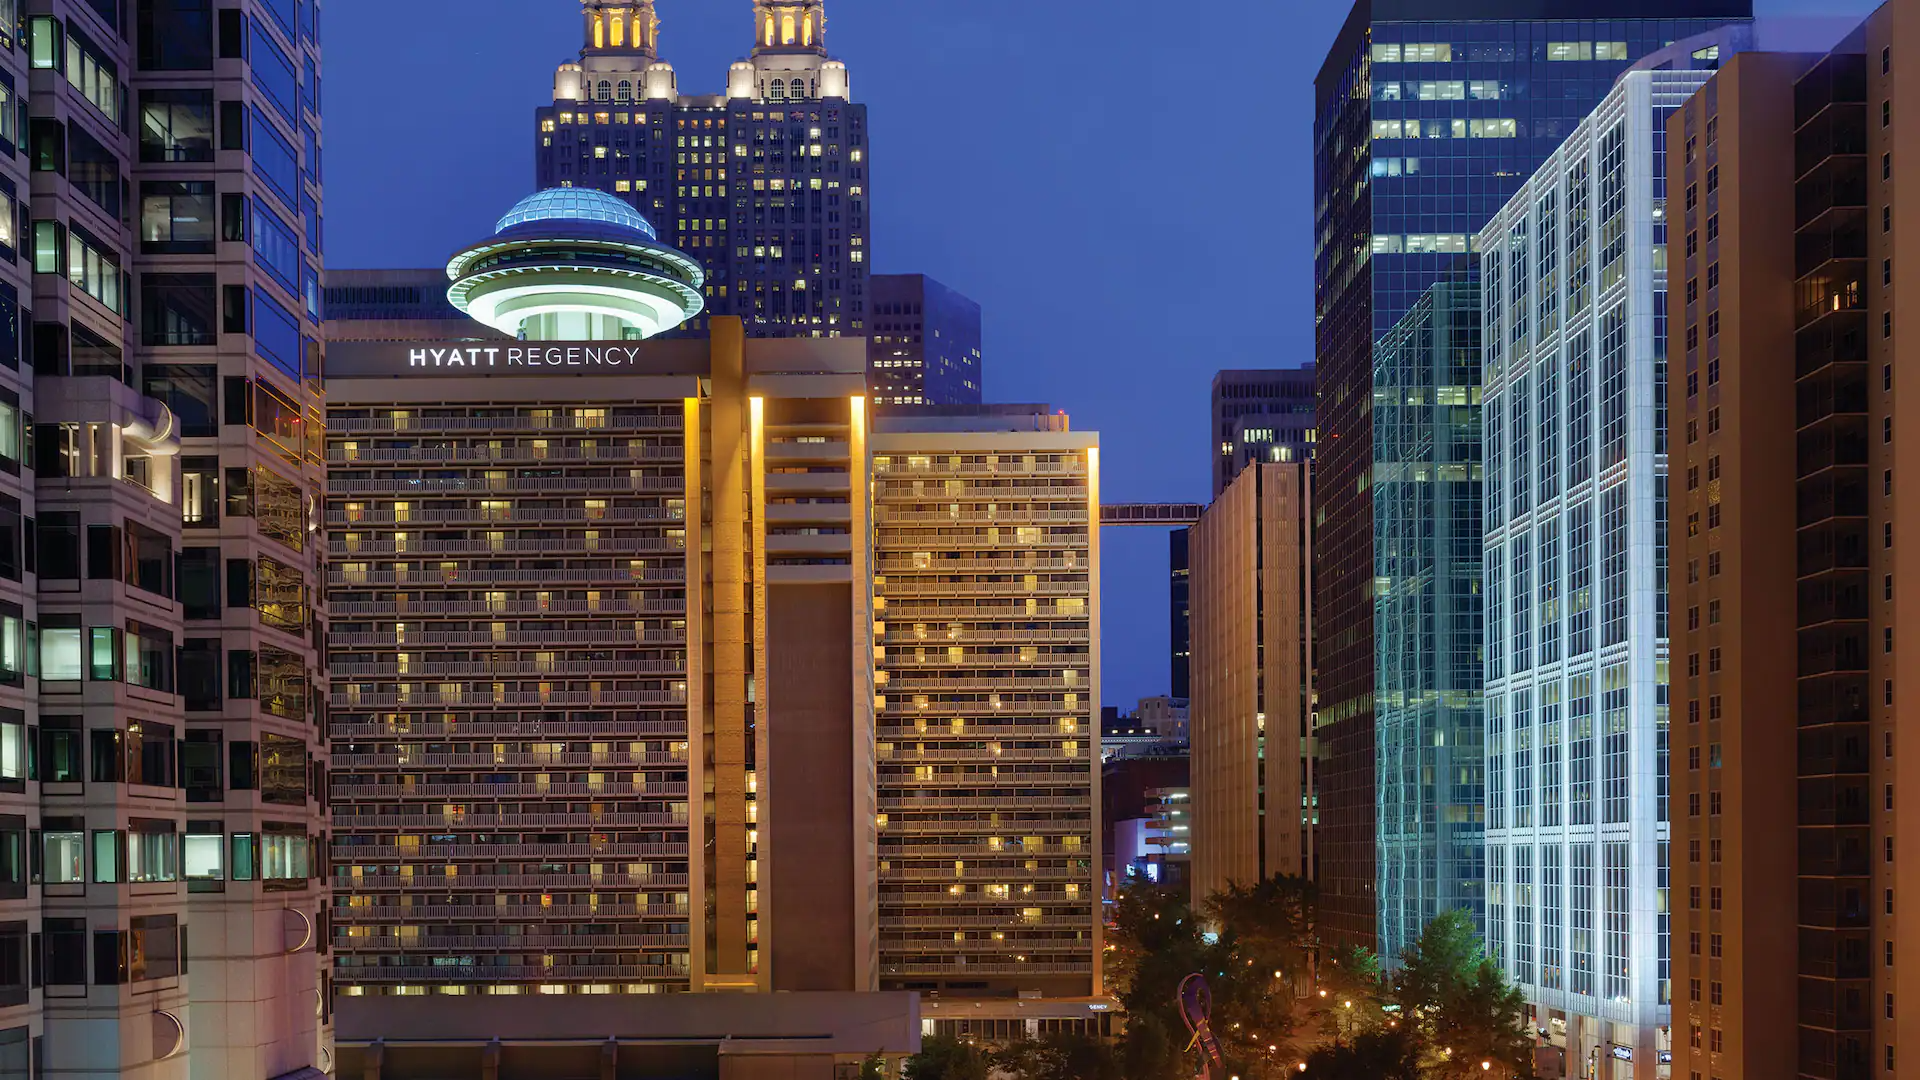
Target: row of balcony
434,726
396,760
493,974
936,469
454,485
388,853
914,492
345,792
606,879
522,452
551,913
482,697
506,667
940,635
386,515
960,590
429,577
408,607
348,942
356,822
572,544
428,424
1003,516
391,638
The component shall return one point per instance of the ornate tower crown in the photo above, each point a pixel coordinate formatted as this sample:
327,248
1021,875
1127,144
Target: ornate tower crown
790,26
621,27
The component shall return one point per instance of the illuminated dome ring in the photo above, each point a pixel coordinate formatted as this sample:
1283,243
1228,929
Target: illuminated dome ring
573,262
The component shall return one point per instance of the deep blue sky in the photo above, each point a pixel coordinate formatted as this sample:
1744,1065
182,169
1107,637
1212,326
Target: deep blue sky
1126,188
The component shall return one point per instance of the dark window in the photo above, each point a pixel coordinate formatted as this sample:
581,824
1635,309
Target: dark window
149,657
240,583
232,35
109,957
59,544
200,674
176,125
47,146
234,309
103,552
200,582
60,754
15,979
65,941
95,355
149,559
176,35
233,122
188,390
13,857
150,750
177,218
243,763
93,170
109,755
200,766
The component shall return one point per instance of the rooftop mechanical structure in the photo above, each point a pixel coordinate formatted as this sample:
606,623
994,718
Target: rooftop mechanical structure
570,264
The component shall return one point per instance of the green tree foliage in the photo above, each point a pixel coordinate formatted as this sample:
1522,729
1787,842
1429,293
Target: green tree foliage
943,1057
1381,1054
1461,1004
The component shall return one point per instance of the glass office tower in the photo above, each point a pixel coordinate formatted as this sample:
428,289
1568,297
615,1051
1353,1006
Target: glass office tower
1429,116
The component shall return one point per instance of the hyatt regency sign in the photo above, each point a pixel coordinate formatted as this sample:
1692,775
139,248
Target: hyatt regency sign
455,359
523,354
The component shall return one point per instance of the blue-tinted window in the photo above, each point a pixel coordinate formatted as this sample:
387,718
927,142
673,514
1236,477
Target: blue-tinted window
284,12
309,15
175,35
275,247
274,160
310,290
276,334
311,87
274,73
310,215
312,162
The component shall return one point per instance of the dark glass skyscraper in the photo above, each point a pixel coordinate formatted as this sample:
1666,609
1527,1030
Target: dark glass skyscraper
1430,114
924,345
765,183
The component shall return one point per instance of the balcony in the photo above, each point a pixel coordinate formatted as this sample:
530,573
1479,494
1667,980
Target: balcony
972,827
1006,800
919,682
425,425
1039,969
902,493
896,587
552,913
973,874
397,608
338,515
495,974
428,727
398,761
483,485
898,540
1005,516
489,699
385,455
908,754
941,635
431,853
573,544
511,942
975,731
349,792
428,578
433,883
509,639
349,820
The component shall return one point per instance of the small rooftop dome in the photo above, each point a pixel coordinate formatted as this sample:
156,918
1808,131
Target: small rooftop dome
582,206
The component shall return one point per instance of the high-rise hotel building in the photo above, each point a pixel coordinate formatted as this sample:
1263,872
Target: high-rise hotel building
1795,844
1574,277
1429,115
764,183
662,666
162,753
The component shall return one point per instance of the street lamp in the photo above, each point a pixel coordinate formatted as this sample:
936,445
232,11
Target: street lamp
1486,1066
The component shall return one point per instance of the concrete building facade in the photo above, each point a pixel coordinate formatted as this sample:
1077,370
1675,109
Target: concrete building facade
1793,842
1250,719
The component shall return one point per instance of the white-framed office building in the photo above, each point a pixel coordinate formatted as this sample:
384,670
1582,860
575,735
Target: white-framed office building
1574,280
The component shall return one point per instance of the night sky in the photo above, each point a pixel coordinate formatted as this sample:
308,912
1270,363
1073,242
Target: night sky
1126,188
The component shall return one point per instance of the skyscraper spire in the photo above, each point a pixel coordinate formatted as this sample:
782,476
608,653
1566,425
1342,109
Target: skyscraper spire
790,26
622,27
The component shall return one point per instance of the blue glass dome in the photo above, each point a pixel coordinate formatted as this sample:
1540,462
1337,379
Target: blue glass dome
576,207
